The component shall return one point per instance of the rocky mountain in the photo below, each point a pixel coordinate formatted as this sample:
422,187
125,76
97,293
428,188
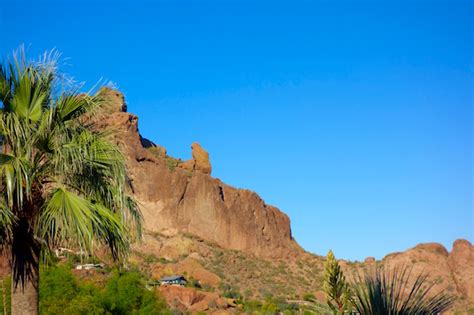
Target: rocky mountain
181,203
181,196
230,240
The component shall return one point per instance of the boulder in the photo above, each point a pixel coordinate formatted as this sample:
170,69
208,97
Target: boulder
201,159
192,300
461,262
369,260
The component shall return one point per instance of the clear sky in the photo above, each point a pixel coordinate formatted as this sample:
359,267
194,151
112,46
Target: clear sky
355,118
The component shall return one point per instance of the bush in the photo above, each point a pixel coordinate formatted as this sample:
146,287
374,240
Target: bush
309,297
126,294
172,163
58,288
84,304
193,283
123,293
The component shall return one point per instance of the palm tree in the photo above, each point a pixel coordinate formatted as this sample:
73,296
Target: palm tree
62,183
395,292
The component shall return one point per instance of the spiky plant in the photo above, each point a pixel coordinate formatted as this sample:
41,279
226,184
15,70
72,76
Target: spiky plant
395,291
335,286
62,183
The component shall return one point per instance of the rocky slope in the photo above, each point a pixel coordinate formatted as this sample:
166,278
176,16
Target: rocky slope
181,198
294,277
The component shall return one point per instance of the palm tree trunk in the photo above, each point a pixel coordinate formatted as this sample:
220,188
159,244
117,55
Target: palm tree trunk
25,297
4,298
25,270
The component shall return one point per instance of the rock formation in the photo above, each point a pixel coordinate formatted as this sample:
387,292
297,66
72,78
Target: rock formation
461,263
183,197
199,162
451,272
191,300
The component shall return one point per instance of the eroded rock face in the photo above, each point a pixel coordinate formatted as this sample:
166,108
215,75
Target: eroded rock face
461,262
449,272
431,259
189,299
183,197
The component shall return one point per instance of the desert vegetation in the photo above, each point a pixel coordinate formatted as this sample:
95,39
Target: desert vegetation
112,291
383,290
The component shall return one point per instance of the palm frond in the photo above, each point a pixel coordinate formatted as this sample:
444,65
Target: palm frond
94,166
5,86
69,219
15,173
7,221
28,99
31,87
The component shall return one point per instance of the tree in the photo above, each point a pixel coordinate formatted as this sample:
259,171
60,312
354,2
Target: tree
62,183
335,286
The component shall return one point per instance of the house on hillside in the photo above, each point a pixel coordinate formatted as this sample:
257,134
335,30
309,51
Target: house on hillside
174,280
90,266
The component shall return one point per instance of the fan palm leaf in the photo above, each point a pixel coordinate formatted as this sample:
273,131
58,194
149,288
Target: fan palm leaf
62,182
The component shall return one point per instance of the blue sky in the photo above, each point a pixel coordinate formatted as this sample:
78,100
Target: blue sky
353,117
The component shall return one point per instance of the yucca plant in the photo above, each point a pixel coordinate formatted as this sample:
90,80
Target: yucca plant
396,292
335,286
62,183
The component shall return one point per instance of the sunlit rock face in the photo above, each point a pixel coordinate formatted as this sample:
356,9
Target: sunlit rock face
178,196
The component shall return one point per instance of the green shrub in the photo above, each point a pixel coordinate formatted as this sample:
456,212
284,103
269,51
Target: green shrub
126,294
172,163
193,283
84,304
309,297
251,306
123,293
58,288
230,292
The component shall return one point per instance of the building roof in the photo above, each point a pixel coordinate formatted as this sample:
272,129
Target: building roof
173,278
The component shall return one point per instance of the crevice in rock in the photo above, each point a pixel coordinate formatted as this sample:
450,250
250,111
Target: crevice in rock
221,193
181,199
453,276
143,159
130,184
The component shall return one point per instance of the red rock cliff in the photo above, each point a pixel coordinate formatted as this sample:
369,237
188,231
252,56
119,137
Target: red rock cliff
180,196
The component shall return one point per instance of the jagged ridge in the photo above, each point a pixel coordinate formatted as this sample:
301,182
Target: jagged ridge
182,196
